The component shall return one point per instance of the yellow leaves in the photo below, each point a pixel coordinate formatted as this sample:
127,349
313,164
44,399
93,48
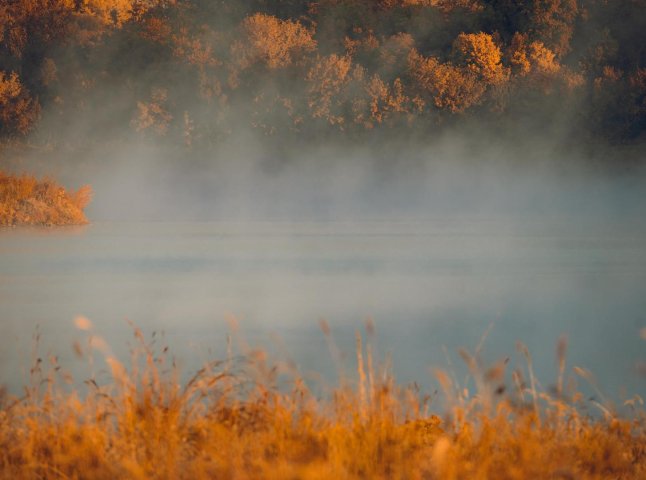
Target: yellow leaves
452,88
384,101
153,115
278,43
536,66
543,59
82,197
27,201
518,55
18,111
327,79
156,30
194,51
366,63
534,57
10,87
364,44
112,12
481,56
552,23
334,82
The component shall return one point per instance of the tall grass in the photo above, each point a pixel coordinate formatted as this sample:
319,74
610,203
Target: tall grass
231,420
24,200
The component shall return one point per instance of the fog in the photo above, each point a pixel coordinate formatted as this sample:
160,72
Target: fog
246,178
436,231
436,243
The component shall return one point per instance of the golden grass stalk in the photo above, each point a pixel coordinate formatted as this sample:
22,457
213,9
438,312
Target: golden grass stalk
230,420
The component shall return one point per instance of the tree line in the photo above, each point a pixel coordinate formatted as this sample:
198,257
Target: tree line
194,71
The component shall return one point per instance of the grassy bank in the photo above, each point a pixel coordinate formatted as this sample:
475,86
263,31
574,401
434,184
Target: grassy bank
25,200
232,421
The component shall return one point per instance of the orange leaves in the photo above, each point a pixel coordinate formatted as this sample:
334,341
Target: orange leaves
82,197
542,59
299,66
382,102
518,55
27,201
10,87
340,92
155,30
277,43
552,23
327,79
452,88
113,12
481,56
536,67
18,111
153,114
194,51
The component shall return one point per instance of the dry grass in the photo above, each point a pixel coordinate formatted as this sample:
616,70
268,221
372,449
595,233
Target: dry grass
24,200
232,421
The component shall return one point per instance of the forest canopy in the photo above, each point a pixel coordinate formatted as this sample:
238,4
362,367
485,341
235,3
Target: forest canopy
191,72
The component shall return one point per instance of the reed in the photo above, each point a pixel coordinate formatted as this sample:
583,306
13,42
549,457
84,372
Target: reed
232,420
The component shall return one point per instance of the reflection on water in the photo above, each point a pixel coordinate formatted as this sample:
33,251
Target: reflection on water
426,285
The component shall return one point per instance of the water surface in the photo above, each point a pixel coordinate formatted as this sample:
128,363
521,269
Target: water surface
426,284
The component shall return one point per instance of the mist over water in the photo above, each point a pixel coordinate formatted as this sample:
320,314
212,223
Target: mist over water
437,234
467,173
435,246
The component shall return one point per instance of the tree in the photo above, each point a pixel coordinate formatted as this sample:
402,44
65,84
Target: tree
114,12
381,103
479,53
552,23
18,111
450,87
618,104
274,42
537,68
327,80
153,115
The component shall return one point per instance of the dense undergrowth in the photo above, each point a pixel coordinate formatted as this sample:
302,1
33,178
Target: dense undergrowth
25,200
232,420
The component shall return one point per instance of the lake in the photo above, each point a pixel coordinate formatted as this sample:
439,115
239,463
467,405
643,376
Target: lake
430,287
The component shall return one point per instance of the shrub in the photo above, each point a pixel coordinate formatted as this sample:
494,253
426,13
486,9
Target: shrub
27,201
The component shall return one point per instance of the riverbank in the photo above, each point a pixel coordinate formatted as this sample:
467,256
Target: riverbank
26,200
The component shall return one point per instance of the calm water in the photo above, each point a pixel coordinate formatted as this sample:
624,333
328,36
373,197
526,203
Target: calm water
426,284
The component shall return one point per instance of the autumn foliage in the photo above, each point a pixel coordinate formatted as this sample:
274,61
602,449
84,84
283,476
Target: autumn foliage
24,200
193,71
